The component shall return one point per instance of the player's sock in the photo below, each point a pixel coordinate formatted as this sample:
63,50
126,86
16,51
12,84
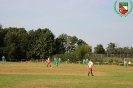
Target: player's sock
92,74
88,73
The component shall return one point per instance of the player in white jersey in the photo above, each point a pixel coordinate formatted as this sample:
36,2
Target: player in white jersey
90,65
48,62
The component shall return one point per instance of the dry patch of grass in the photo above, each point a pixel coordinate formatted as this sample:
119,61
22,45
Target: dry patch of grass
40,68
37,75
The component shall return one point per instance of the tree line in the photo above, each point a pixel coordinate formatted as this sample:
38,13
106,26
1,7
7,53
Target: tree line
17,43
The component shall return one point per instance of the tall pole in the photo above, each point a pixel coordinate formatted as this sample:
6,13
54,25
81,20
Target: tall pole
120,51
67,44
127,52
116,50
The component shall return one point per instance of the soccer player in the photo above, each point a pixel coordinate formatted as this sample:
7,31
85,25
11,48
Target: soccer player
3,59
90,65
68,61
48,62
84,61
57,62
125,63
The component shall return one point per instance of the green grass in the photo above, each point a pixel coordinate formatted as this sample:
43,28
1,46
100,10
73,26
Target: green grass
36,75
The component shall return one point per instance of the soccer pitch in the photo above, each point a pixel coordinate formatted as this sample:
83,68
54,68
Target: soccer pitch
37,75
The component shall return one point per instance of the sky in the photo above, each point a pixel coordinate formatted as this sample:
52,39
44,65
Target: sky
93,21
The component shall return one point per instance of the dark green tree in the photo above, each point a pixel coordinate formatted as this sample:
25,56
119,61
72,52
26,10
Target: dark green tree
125,52
82,50
131,51
72,42
111,49
41,44
2,36
80,42
31,44
61,44
15,43
99,49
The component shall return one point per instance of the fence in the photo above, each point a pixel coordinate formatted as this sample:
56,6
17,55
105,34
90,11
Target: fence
110,58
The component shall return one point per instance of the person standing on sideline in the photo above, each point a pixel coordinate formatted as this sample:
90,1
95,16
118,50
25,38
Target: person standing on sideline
125,63
55,60
59,60
129,63
68,61
3,59
90,65
84,62
48,62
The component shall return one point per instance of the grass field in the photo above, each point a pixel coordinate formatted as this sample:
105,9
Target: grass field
36,75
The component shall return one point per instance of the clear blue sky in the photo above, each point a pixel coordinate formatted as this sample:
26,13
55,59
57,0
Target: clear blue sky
93,21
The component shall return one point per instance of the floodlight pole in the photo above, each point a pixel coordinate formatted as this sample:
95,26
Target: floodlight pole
120,51
127,52
67,45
